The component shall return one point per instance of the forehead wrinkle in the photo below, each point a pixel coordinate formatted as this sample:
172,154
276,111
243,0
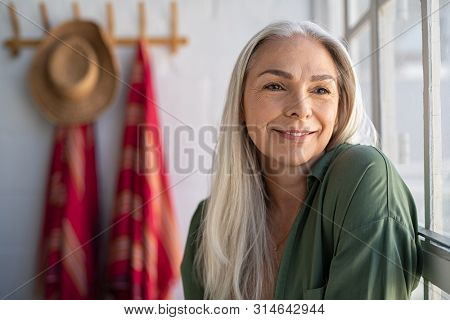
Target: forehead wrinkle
264,56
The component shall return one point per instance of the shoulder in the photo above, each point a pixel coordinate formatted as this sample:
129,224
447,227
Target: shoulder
191,282
353,166
193,236
368,188
357,159
197,217
201,209
353,163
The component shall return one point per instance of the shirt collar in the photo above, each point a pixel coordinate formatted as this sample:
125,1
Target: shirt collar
320,167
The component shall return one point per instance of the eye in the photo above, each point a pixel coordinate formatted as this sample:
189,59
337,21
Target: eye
273,87
321,90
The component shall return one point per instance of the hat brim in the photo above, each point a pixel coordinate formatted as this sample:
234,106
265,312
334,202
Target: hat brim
55,107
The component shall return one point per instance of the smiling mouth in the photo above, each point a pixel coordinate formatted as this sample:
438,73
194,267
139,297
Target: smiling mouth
296,135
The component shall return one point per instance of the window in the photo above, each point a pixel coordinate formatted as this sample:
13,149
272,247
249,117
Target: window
401,51
444,21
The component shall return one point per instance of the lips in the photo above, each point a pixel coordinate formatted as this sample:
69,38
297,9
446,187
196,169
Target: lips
296,135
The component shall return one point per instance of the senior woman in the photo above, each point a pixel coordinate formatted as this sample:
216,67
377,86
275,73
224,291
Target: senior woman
303,205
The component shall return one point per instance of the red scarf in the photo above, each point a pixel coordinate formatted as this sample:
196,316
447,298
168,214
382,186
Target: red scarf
144,256
71,213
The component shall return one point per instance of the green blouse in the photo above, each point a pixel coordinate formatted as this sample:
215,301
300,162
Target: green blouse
356,237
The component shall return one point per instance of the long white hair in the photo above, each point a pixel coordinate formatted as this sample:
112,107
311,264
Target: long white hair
234,256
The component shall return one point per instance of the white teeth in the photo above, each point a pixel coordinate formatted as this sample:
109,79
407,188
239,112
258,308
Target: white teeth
296,134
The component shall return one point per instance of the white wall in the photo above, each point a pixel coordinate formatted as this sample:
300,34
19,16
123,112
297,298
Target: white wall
190,87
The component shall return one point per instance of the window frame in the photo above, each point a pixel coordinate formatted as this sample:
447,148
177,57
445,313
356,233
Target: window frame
436,246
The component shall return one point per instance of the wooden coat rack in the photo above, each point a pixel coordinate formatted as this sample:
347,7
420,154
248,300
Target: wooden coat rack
173,41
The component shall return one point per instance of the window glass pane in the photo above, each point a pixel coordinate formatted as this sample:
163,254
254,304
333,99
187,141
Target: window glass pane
435,293
418,294
360,53
444,16
357,8
402,94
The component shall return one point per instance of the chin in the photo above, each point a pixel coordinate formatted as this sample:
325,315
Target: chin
294,163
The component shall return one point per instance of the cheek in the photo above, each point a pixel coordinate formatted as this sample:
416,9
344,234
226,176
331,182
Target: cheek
327,114
260,109
258,113
256,123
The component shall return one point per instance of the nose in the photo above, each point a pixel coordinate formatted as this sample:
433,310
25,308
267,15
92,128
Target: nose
299,106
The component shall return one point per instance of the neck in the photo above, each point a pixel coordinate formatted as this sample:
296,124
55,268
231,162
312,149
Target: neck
286,186
286,189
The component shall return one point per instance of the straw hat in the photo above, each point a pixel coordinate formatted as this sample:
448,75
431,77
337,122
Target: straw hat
73,73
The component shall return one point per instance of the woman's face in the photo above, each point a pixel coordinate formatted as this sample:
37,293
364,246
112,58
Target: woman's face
291,100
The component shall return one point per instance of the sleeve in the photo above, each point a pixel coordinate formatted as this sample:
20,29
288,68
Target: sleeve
191,285
377,253
376,261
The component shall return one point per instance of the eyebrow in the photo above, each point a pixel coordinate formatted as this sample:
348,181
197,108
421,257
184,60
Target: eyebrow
320,77
287,75
277,72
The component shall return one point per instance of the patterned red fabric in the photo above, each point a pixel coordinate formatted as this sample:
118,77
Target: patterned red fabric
144,256
71,211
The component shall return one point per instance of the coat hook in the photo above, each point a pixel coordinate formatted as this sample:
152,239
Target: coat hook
14,44
44,16
173,27
76,10
141,20
110,19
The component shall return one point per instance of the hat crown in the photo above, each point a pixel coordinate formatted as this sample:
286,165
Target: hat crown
73,68
73,73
